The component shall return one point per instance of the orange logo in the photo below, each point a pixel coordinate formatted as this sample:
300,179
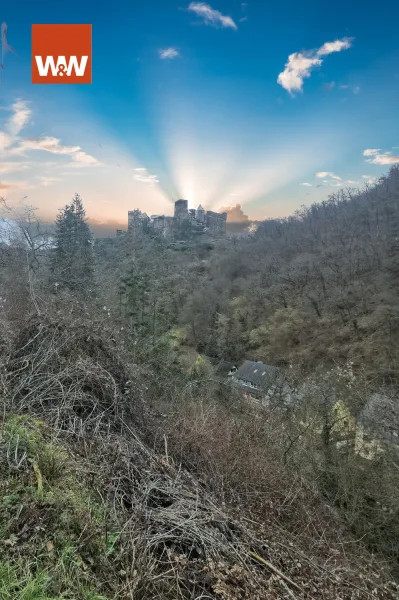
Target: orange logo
61,54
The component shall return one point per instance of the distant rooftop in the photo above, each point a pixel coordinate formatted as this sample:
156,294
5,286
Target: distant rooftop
256,373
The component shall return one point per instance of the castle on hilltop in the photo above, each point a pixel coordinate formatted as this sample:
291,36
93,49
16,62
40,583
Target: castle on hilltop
196,220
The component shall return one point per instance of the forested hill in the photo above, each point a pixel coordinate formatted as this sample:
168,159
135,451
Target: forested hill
323,285
130,467
318,288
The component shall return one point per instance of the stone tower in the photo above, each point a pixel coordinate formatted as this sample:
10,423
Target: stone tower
200,213
181,210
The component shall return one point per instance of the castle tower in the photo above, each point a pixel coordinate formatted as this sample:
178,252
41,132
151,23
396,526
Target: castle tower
181,210
200,214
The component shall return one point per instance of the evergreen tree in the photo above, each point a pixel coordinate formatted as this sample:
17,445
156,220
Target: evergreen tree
72,265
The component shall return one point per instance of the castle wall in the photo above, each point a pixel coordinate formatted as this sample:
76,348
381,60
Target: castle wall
165,225
136,220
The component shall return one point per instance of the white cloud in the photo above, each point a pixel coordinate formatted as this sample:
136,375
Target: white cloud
46,143
323,174
305,184
337,46
5,141
385,159
20,117
143,176
210,16
296,69
53,145
371,151
300,64
378,158
86,159
168,53
12,145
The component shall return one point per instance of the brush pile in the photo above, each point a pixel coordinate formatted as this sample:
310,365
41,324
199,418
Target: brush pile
71,371
170,538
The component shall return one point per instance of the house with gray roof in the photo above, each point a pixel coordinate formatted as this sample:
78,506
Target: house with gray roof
256,379
380,415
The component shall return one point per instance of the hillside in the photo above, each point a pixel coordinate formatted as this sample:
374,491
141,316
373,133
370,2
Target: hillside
91,508
131,467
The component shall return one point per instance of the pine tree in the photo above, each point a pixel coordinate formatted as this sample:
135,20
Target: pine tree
72,265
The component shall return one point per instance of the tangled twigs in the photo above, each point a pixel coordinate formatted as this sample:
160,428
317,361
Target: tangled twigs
274,569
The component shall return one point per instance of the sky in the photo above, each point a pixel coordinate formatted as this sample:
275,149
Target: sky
270,105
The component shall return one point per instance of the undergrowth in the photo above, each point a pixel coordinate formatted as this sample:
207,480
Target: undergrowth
56,533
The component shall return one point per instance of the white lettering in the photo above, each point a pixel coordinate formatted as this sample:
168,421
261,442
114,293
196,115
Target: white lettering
73,64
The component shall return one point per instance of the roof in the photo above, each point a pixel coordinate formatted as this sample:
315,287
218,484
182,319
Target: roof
381,413
257,373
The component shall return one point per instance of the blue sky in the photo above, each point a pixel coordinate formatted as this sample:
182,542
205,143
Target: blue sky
220,103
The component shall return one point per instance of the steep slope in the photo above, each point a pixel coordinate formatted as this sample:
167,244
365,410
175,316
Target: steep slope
89,510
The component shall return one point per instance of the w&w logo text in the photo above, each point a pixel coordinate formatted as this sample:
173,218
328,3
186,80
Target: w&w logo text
62,66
